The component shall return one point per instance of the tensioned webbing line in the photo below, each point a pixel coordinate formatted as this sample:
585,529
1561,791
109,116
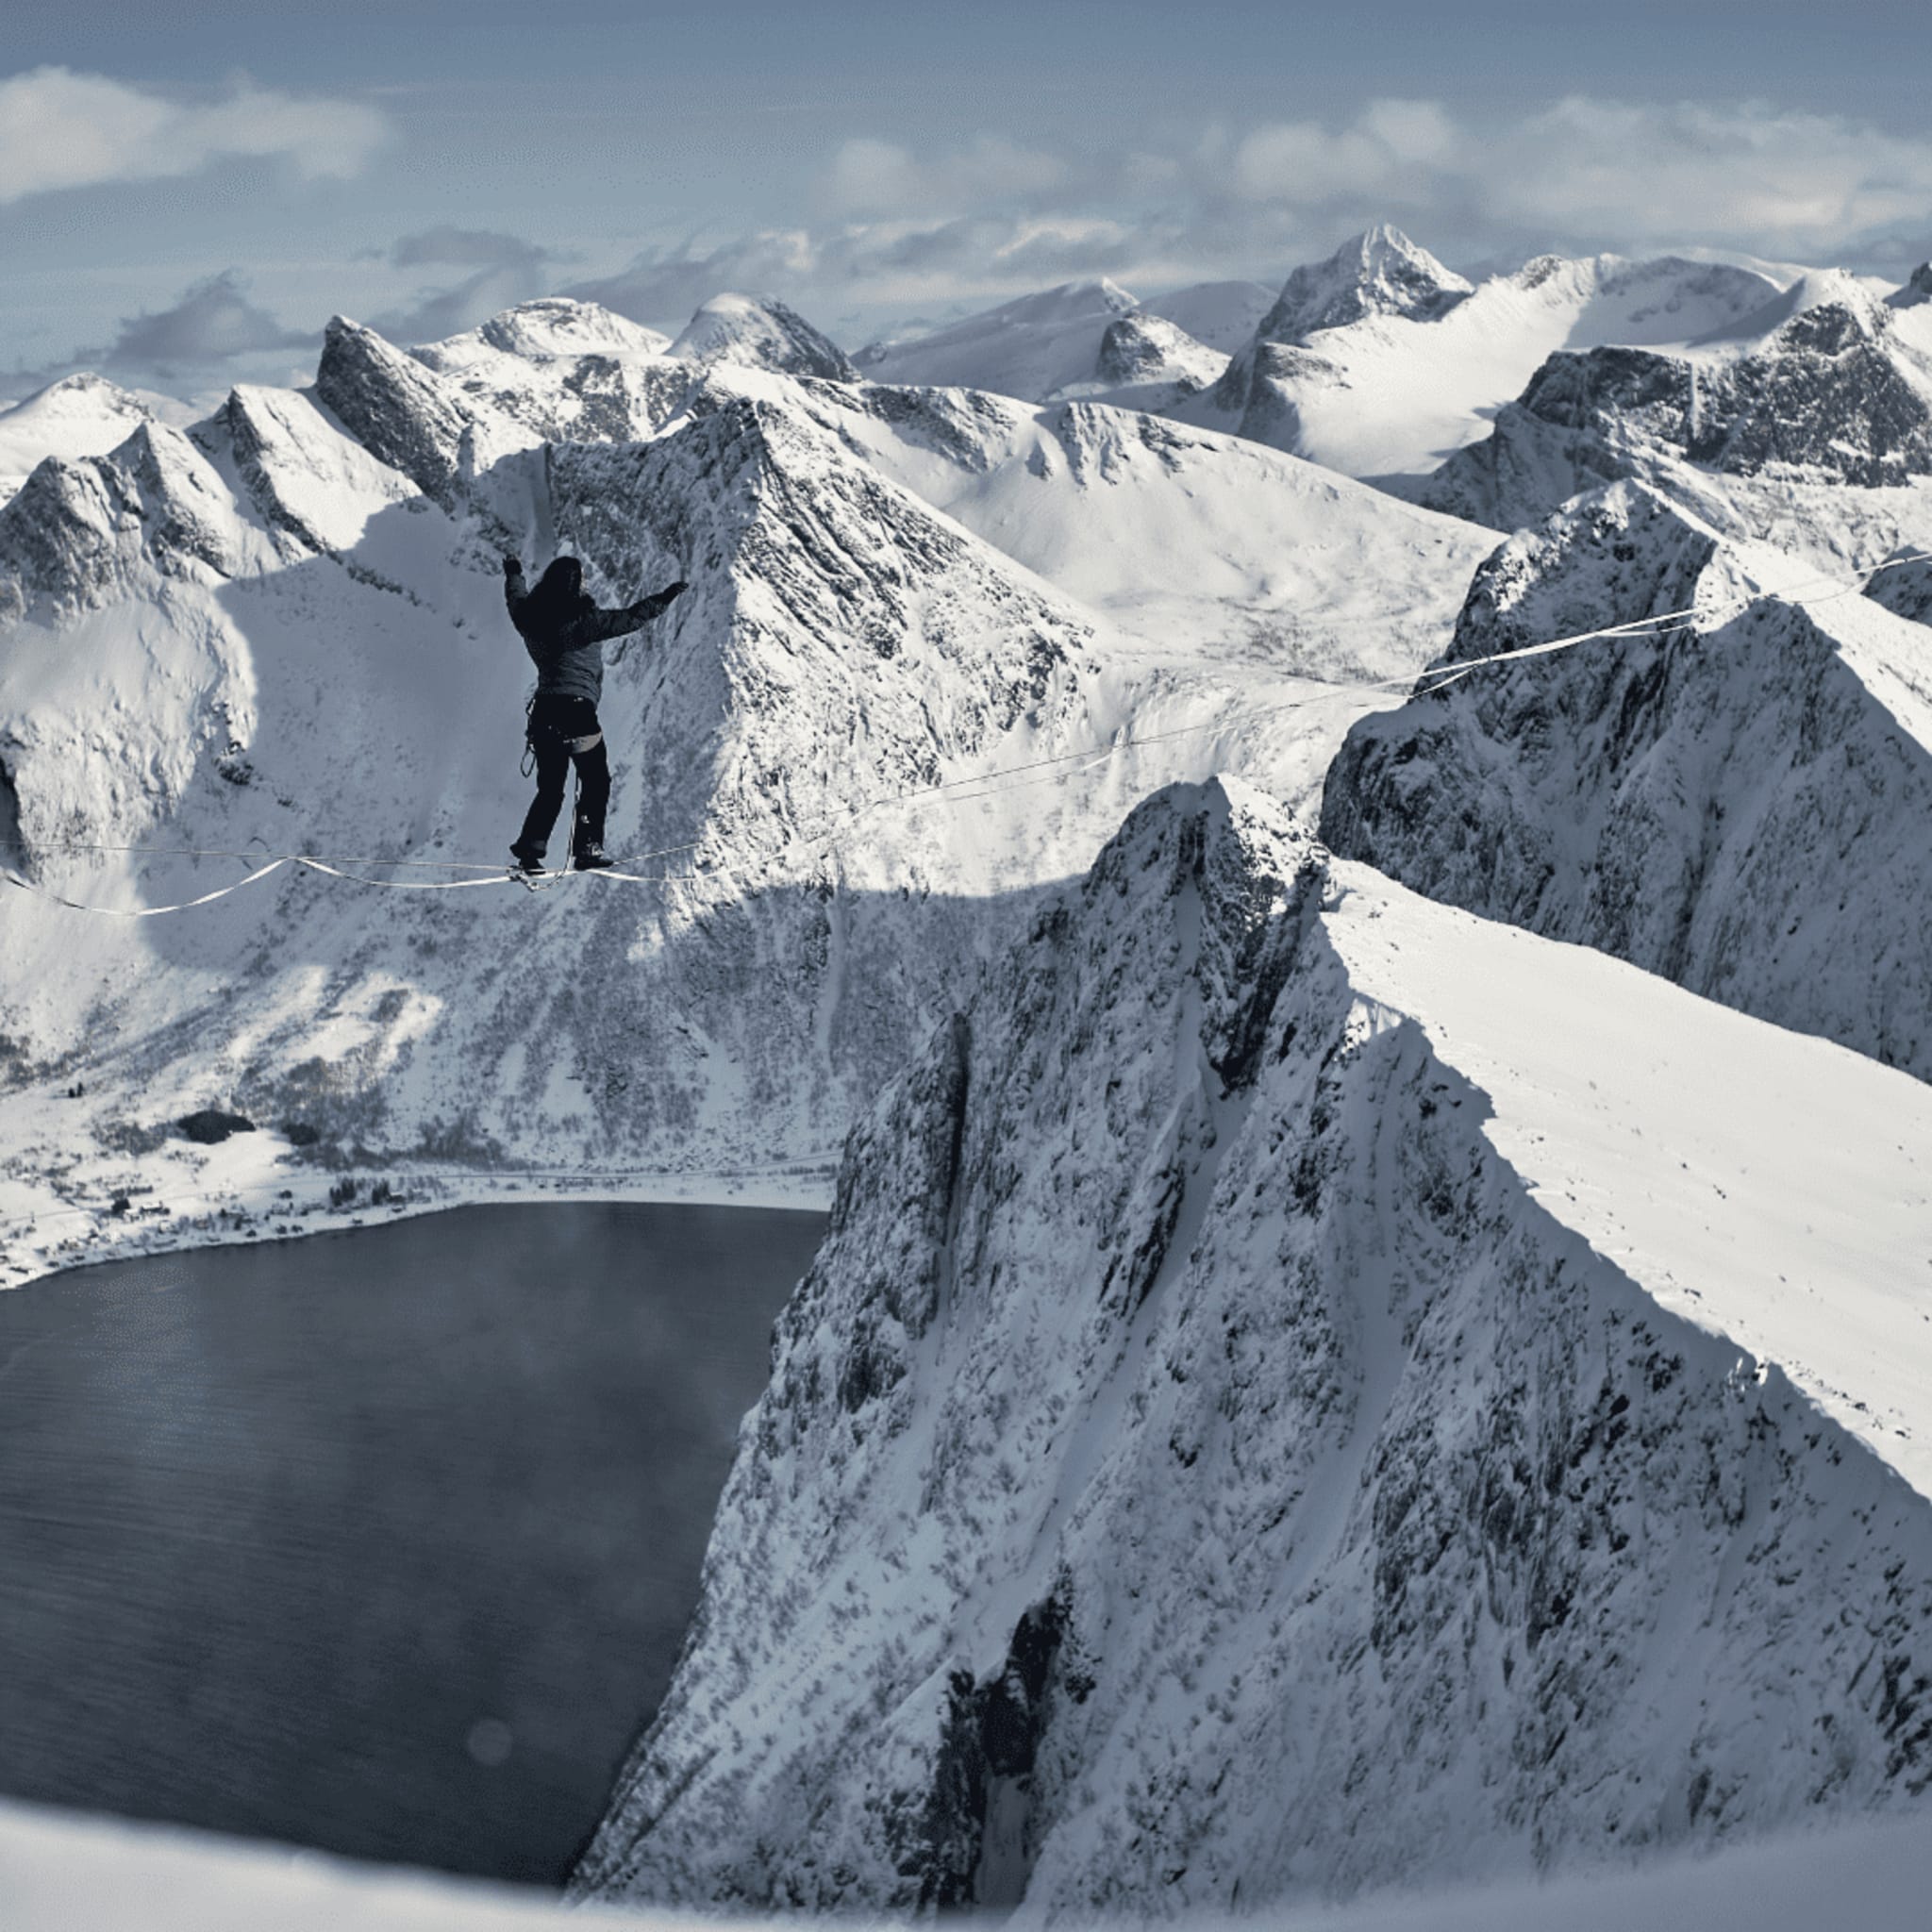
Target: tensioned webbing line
976,786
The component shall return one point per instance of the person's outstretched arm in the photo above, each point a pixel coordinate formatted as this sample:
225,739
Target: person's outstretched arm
516,592
614,624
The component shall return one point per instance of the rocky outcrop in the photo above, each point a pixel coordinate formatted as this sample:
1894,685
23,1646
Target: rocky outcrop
1200,1470
78,534
1829,394
1734,801
399,412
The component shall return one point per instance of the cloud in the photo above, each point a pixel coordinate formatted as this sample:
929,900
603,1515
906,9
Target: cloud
63,130
506,270
448,247
1592,173
869,176
212,322
664,287
184,346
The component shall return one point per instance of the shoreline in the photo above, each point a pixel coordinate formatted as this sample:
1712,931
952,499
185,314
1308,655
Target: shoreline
229,1196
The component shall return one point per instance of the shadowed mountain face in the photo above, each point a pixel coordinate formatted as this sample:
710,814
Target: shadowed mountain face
1738,803
1212,1456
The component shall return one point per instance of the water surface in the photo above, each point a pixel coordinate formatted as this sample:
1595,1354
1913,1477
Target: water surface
383,1541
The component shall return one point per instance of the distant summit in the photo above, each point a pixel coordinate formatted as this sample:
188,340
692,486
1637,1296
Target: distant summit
1380,273
550,327
761,333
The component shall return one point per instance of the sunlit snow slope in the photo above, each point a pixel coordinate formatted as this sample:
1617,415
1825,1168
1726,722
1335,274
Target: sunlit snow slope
1304,1389
1380,362
282,632
1739,802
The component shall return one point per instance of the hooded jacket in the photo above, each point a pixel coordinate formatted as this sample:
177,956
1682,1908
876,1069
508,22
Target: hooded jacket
565,632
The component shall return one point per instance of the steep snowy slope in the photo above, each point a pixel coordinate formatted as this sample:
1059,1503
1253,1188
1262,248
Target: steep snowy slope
1082,338
762,334
1305,1389
1739,803
1244,577
1807,423
283,634
79,416
1378,363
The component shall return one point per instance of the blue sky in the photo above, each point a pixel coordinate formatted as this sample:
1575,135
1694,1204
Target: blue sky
183,198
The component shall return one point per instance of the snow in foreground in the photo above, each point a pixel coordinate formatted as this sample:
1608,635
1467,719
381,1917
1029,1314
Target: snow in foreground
82,1874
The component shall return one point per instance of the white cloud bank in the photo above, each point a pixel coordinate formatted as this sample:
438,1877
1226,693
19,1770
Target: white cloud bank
1744,175
63,130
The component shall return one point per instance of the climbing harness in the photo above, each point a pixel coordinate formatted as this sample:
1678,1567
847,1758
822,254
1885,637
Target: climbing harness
980,785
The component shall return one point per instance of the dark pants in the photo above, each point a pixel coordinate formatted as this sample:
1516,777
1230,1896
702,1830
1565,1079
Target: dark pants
555,723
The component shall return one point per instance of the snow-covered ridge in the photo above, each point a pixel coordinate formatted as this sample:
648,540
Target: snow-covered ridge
1822,387
1292,1397
283,632
1385,376
1737,803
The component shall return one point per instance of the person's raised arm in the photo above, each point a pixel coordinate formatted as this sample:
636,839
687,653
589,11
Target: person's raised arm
615,623
516,592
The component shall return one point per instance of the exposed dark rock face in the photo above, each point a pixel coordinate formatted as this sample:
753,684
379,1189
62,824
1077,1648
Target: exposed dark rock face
1916,290
1830,396
1340,1549
210,1126
400,413
77,533
1675,800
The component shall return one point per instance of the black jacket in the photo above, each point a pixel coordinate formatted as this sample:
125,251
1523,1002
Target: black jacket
565,632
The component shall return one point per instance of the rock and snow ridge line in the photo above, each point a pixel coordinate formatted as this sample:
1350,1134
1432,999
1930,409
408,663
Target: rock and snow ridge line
1303,1389
283,632
1735,800
1709,612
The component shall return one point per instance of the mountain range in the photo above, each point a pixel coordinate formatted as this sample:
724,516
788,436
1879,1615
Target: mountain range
1373,1327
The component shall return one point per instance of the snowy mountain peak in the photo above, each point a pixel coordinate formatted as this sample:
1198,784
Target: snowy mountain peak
1381,271
761,333
1850,308
1066,302
551,328
81,415
557,325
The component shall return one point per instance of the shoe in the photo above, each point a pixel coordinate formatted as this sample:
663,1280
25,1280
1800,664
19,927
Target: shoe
529,863
593,858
